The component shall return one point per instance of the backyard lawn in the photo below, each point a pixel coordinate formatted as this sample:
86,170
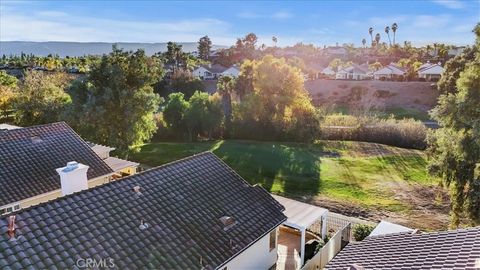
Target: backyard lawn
372,177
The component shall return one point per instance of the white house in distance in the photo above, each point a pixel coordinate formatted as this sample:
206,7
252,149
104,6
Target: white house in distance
233,71
328,72
390,72
354,72
430,72
212,72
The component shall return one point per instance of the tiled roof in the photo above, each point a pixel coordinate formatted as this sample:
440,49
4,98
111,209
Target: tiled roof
29,157
459,249
182,203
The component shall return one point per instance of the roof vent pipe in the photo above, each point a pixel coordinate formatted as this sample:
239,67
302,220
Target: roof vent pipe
11,227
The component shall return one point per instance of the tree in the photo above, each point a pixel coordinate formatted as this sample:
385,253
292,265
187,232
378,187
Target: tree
115,103
41,98
226,87
244,82
174,55
453,68
454,149
275,40
370,31
387,31
204,48
203,115
394,29
174,112
277,108
8,86
364,41
377,39
183,81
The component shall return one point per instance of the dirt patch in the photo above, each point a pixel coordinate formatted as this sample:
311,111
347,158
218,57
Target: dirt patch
429,208
416,95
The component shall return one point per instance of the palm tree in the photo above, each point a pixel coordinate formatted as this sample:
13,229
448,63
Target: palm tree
226,87
394,29
377,38
370,31
275,40
364,41
387,30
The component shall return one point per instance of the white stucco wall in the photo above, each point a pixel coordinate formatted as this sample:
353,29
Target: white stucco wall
258,256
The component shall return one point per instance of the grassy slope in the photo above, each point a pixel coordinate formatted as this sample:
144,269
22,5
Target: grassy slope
355,174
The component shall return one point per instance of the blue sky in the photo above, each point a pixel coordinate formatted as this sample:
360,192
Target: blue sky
317,22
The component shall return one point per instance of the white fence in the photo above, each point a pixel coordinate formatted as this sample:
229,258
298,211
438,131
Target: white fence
330,249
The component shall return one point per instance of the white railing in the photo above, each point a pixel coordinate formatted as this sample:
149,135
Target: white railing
329,250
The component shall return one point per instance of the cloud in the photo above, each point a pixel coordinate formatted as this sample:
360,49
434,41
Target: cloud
429,21
279,15
451,4
50,25
282,15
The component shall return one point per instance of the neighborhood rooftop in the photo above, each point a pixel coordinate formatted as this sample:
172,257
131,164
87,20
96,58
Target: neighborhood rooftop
458,249
29,157
191,214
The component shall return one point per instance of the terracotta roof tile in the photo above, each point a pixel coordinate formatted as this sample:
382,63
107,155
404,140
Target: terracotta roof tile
458,249
29,157
182,203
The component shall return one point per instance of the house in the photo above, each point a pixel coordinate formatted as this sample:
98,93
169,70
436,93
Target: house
328,72
194,213
353,72
30,157
233,71
430,72
456,249
209,72
389,72
335,51
385,227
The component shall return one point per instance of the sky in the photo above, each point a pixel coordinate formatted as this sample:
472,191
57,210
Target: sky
317,22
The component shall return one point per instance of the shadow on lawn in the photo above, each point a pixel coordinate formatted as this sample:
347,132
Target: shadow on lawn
292,169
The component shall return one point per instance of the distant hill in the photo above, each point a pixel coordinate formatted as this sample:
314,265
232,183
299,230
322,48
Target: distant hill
85,48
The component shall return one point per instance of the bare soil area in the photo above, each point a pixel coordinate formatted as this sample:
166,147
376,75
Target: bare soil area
414,95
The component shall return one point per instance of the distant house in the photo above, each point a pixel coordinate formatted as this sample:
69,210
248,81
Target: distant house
353,72
328,72
456,249
390,72
430,72
456,51
195,213
209,72
233,71
335,51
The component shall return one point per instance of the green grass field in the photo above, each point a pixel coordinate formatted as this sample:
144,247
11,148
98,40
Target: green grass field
362,174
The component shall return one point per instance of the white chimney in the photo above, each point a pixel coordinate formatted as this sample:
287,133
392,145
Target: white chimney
73,177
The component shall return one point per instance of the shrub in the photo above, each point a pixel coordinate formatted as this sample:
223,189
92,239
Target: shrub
361,231
408,133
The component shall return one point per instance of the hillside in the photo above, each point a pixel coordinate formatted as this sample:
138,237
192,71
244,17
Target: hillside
84,48
407,95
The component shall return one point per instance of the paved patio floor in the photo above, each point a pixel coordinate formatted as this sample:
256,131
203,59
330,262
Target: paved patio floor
289,248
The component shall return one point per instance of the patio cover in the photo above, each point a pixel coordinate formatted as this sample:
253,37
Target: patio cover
300,215
119,164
